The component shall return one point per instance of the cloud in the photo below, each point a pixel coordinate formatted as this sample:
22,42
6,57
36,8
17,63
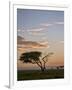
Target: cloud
42,27
20,38
36,29
36,33
31,30
59,23
39,30
32,44
44,42
23,44
51,24
46,24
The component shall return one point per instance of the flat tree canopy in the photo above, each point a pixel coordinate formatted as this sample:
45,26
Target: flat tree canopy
34,58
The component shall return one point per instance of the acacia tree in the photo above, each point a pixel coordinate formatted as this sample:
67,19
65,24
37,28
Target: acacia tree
35,57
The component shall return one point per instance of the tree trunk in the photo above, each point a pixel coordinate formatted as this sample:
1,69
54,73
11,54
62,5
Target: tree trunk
43,69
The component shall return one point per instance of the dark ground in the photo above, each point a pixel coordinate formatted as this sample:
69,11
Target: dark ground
37,74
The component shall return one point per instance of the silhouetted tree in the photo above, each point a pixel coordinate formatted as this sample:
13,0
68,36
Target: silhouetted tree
35,58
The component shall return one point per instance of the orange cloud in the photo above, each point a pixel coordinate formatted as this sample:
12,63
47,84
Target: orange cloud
23,44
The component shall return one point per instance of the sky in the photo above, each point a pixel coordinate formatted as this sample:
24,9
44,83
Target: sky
40,30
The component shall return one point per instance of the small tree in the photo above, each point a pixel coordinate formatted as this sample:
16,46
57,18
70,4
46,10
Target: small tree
35,57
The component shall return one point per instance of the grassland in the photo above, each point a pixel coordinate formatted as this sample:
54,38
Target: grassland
37,74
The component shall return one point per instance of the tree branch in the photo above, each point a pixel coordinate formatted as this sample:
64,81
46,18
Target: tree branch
38,64
46,57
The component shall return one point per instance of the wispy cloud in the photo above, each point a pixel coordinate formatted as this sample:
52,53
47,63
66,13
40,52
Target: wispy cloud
46,24
36,33
44,42
39,30
19,38
36,29
59,23
51,24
